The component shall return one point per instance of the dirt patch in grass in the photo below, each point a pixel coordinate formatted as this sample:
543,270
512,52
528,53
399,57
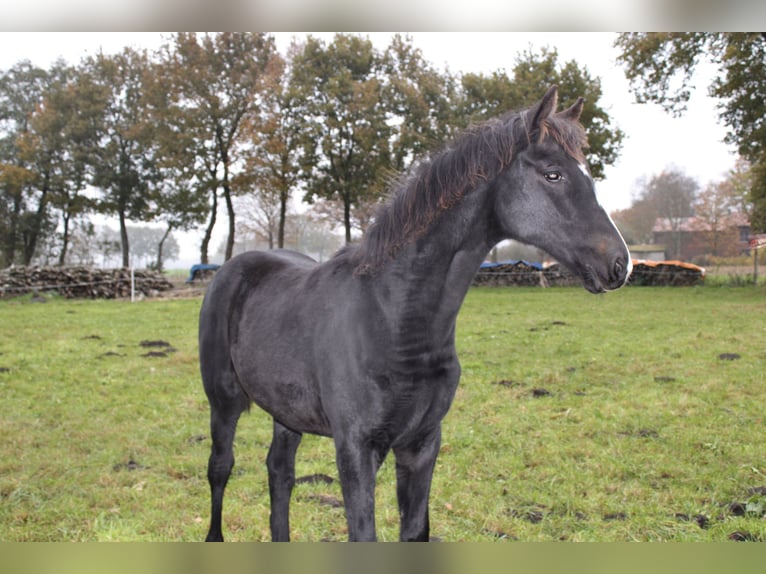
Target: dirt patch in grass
130,466
507,384
499,534
157,344
325,500
155,354
547,326
533,514
743,536
641,433
701,520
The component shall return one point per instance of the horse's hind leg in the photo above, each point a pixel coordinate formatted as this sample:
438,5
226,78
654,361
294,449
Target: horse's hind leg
414,470
281,466
223,424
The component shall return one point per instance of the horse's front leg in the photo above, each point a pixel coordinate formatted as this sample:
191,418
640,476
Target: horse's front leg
280,463
358,463
414,470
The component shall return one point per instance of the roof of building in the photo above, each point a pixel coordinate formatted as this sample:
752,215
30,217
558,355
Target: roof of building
691,224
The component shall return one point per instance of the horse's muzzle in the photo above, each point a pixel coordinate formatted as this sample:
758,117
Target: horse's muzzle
613,277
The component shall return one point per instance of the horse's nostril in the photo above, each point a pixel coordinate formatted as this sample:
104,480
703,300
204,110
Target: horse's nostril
619,268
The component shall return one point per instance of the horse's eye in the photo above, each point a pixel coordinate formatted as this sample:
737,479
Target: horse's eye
553,176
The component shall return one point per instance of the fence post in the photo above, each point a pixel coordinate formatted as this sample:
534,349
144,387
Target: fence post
132,285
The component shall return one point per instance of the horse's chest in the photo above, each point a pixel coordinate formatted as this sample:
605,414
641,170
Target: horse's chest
418,390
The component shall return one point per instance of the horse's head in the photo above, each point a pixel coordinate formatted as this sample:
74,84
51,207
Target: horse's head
546,197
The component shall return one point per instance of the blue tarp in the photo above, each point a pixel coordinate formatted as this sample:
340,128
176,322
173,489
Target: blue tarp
201,267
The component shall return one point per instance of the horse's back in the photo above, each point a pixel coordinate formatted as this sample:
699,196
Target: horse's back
249,270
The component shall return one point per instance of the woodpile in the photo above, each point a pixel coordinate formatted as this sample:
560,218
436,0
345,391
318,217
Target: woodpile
524,274
645,273
80,282
666,274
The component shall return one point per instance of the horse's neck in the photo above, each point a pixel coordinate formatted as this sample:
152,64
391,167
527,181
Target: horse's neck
432,275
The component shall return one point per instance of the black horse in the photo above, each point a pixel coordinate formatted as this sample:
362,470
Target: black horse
361,348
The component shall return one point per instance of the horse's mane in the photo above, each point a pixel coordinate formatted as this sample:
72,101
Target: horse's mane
433,185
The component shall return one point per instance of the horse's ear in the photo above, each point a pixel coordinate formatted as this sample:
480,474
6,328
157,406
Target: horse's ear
573,113
545,108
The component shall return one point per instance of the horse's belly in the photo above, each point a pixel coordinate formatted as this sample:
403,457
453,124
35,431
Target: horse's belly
285,393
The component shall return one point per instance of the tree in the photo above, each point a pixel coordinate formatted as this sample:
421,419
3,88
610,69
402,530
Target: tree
672,193
313,235
60,146
419,102
182,197
190,157
14,179
273,168
39,150
262,216
485,96
229,70
179,205
714,210
125,162
144,243
348,144
21,91
637,221
661,67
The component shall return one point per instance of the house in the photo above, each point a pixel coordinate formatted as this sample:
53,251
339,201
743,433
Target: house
647,252
688,238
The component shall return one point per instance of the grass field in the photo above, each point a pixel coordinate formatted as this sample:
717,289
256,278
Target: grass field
632,416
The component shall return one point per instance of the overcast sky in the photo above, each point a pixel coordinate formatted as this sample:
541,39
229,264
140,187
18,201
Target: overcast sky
654,139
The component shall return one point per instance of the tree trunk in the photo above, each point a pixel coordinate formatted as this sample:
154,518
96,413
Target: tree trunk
283,197
13,230
203,256
30,243
230,210
224,146
160,263
347,217
65,239
124,243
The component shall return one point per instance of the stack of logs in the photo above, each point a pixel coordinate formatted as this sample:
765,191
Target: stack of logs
524,274
666,274
645,273
80,282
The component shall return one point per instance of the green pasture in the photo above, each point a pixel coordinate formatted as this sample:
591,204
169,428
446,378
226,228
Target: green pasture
637,415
